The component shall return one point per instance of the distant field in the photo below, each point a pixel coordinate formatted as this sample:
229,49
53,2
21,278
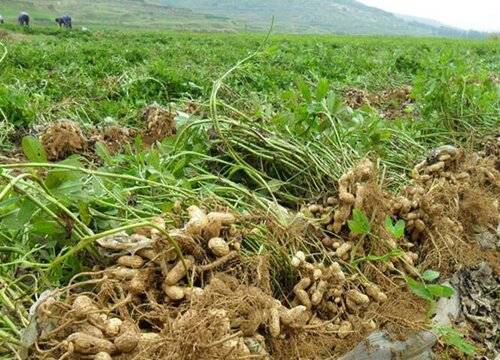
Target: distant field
123,14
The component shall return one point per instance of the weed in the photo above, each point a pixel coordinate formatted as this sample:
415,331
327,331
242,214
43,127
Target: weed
454,338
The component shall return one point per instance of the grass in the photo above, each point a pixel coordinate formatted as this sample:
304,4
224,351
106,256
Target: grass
284,132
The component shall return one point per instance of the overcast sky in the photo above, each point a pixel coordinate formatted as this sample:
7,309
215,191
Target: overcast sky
466,14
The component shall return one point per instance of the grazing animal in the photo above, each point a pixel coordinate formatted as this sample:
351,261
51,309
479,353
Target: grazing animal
23,19
65,21
1,19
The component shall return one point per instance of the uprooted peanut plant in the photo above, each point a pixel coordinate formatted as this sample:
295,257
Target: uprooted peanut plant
286,223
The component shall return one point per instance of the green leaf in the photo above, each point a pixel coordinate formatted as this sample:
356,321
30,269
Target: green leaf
33,149
304,90
397,230
103,153
274,185
26,212
322,90
83,209
360,223
271,50
430,275
167,207
57,177
47,227
388,224
154,159
440,290
419,289
454,338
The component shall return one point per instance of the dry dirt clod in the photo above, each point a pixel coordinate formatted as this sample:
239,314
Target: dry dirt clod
116,138
63,138
159,123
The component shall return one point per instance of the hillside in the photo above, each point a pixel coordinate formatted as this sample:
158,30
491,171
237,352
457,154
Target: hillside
312,16
292,16
116,13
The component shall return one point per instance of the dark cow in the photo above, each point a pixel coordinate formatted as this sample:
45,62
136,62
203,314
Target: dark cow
23,19
1,19
65,21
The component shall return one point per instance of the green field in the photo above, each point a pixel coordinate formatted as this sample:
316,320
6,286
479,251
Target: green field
265,130
130,14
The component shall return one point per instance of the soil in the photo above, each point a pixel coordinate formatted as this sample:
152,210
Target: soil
14,37
391,103
159,123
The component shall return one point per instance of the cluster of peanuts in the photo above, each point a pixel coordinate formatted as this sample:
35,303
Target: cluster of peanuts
327,290
152,268
416,204
199,240
442,163
92,332
335,211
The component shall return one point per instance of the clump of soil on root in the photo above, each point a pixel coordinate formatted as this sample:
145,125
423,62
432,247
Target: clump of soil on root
62,139
159,123
113,137
391,103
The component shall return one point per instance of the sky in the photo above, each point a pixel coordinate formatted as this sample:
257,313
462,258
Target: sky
481,15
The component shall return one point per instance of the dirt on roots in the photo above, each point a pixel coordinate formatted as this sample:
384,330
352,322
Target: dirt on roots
216,302
64,138
391,103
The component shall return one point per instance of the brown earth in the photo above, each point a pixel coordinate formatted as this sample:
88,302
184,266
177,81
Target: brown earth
391,103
